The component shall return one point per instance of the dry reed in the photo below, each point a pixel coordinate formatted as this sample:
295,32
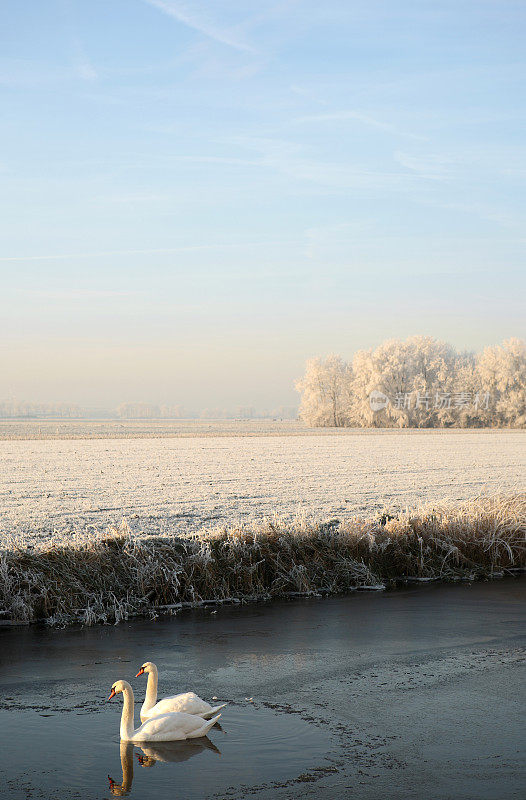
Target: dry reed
111,579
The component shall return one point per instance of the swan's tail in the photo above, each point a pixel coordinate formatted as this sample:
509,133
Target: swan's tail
213,711
203,730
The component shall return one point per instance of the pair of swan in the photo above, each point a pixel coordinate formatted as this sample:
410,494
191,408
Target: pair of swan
169,720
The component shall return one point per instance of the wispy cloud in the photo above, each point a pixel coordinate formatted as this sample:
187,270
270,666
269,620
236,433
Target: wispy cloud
25,74
359,116
81,62
431,166
148,251
484,211
291,160
199,22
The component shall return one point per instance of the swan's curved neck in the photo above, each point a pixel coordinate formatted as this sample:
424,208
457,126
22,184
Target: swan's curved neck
151,690
127,720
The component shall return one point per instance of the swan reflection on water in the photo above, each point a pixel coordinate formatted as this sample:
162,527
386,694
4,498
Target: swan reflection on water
173,751
153,752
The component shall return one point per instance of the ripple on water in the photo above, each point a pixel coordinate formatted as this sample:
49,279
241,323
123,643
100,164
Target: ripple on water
71,756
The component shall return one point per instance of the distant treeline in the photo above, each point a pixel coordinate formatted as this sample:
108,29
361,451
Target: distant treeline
14,409
150,411
420,382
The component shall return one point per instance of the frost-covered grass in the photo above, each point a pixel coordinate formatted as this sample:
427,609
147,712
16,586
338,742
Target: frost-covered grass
62,491
110,579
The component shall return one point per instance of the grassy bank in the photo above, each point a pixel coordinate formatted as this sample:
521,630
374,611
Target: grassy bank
119,576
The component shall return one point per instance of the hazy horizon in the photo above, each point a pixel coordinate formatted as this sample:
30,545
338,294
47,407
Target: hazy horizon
394,350
197,198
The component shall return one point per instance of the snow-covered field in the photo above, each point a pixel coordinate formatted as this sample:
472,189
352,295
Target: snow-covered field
168,485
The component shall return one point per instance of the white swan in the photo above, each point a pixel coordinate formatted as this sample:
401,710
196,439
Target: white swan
163,728
188,702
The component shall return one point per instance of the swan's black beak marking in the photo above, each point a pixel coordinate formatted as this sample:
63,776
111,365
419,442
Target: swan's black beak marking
141,672
113,693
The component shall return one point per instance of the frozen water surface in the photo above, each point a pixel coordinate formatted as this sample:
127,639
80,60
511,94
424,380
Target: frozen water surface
405,695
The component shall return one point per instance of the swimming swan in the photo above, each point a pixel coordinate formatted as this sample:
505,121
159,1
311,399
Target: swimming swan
188,702
163,728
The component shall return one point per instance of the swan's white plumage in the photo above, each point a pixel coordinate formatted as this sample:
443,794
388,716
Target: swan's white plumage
187,702
170,727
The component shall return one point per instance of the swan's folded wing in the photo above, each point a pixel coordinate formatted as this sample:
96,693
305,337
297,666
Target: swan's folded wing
188,702
176,725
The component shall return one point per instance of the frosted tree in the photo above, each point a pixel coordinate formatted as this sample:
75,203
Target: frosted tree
391,371
501,372
171,412
326,393
411,373
434,379
465,411
421,382
138,411
365,381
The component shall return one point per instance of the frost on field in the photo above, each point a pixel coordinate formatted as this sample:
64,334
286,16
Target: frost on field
67,491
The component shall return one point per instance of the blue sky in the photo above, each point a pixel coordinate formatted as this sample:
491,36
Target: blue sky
198,196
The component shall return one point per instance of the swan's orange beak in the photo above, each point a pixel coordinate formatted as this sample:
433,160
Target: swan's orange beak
113,693
141,672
